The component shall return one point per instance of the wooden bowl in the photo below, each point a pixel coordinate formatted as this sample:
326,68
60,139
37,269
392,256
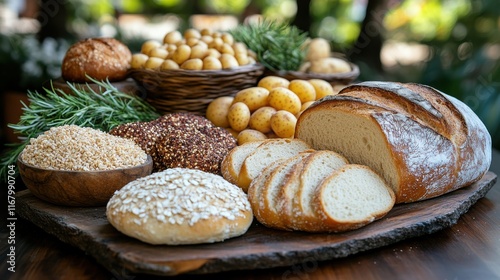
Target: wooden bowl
79,188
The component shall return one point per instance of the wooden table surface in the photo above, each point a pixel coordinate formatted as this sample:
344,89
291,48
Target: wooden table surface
469,249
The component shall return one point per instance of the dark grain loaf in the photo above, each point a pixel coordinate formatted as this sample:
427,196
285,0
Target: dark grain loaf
422,141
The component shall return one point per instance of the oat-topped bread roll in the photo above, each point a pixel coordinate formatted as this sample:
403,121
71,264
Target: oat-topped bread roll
423,142
99,58
180,206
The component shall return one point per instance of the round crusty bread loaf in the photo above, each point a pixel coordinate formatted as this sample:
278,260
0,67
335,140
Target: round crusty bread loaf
180,206
99,58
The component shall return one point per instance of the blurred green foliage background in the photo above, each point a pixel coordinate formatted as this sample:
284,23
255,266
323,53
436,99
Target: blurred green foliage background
452,45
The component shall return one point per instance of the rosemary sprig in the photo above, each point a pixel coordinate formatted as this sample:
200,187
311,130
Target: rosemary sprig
84,107
278,46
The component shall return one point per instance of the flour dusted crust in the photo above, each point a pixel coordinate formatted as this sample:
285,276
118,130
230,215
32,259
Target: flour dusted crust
180,206
434,143
99,58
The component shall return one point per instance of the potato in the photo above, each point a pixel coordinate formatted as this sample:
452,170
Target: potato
322,87
249,135
281,98
271,82
233,132
198,51
228,61
318,48
192,41
238,116
242,58
153,63
171,48
261,119
149,45
304,67
169,64
138,60
283,124
207,39
206,32
181,54
192,33
172,37
253,97
239,47
213,52
217,111
158,52
192,64
211,63
216,43
304,90
329,65
227,38
226,48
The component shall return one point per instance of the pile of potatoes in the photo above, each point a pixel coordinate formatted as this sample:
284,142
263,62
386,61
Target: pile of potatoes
268,110
193,50
318,59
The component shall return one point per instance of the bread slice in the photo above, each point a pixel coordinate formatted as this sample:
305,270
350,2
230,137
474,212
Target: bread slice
352,197
254,190
232,162
298,203
269,192
269,151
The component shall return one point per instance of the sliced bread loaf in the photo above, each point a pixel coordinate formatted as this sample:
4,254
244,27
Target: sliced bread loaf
352,197
269,151
232,162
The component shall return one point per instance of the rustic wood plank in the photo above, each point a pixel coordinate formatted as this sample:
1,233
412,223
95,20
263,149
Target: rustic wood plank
260,247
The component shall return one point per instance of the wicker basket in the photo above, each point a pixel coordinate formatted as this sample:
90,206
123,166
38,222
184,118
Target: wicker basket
180,90
344,78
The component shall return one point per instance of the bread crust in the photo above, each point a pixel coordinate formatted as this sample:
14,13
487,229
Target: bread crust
99,58
437,143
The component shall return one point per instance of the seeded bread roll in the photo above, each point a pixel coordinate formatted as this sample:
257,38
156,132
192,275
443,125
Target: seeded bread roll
99,58
180,206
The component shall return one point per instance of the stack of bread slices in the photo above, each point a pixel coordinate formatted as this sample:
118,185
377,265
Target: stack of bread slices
291,186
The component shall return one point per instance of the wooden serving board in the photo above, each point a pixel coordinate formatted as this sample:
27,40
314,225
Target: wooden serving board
261,247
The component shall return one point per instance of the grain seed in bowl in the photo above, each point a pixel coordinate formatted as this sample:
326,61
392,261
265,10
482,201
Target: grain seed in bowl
75,148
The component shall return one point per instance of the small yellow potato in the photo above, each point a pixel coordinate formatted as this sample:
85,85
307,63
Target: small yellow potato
211,63
192,64
226,48
198,51
169,64
171,48
304,67
318,48
271,82
207,39
192,41
216,43
238,116
159,52
206,32
252,54
181,42
329,65
281,98
249,135
213,52
172,37
149,45
216,34
192,33
239,47
233,132
228,61
242,58
304,90
251,60
261,119
153,63
218,109
181,54
283,124
322,87
253,97
138,60
227,38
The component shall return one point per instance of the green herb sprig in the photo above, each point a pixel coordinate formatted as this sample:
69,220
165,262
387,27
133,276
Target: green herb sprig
103,110
278,45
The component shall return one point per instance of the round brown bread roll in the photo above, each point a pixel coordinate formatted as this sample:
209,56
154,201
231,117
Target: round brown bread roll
180,206
192,141
99,58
